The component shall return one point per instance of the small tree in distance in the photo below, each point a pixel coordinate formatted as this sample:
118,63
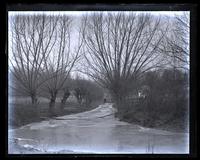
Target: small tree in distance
86,91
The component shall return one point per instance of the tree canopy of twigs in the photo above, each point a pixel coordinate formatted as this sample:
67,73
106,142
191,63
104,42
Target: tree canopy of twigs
41,52
176,44
121,47
63,58
31,45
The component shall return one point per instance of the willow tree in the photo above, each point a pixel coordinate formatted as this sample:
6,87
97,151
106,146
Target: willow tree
121,47
31,43
58,65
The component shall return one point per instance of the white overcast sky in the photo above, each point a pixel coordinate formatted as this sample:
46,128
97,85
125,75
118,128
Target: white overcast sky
170,13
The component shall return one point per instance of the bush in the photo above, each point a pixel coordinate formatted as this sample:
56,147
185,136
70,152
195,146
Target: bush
166,101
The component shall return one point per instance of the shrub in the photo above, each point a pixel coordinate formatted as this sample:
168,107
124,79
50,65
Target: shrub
165,102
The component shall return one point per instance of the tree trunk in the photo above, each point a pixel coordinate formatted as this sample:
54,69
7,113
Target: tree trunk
33,99
52,104
117,102
34,102
64,99
120,102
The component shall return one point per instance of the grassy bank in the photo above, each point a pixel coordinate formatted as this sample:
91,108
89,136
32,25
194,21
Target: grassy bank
169,121
175,125
22,114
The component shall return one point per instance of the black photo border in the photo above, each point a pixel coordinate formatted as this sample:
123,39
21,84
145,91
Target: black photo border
22,5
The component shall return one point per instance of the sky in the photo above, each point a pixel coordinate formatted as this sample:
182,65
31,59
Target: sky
77,13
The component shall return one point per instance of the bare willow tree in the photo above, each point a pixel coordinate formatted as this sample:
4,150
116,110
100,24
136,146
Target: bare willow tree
63,58
121,47
31,43
176,44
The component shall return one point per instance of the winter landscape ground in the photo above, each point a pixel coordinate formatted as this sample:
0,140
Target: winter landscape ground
95,131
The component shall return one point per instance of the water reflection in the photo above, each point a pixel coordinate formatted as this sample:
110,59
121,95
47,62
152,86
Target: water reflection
99,135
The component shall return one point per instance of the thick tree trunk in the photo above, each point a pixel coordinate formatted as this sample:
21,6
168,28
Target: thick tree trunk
64,99
34,102
119,99
33,99
52,106
52,103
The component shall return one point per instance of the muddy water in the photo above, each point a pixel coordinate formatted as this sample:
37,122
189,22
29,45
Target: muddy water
96,131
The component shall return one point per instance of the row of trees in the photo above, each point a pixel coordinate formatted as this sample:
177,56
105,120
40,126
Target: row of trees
115,49
41,53
85,91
